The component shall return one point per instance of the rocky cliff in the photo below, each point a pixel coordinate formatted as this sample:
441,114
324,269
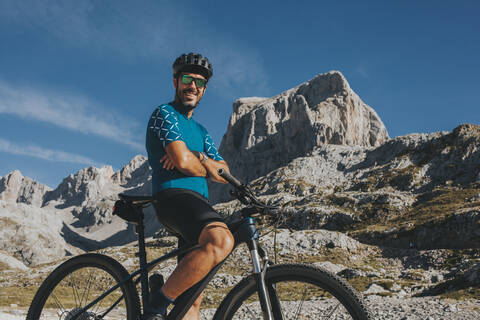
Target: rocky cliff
14,187
420,190
39,224
267,133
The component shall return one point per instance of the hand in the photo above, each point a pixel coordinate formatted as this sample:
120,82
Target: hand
212,169
167,162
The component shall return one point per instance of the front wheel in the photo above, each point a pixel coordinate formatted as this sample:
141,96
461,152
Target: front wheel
296,291
79,281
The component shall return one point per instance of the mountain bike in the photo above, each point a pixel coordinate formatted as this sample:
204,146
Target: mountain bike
95,286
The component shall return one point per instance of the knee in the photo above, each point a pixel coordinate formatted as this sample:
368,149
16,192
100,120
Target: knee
227,243
221,245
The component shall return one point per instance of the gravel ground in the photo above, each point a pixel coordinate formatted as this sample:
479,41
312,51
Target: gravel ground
423,308
429,308
383,308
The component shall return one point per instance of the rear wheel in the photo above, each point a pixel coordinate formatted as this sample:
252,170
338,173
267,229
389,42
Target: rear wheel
79,281
297,292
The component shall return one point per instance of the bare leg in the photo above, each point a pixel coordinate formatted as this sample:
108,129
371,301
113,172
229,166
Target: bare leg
216,242
194,312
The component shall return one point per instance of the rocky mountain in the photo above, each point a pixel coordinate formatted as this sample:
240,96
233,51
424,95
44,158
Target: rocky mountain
417,191
266,133
14,187
32,235
75,216
396,217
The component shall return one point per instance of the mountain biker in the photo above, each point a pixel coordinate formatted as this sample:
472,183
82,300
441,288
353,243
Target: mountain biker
182,155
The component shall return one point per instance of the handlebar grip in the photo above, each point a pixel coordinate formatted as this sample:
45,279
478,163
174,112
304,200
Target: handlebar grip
231,179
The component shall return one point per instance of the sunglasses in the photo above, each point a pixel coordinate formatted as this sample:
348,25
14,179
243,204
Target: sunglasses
199,82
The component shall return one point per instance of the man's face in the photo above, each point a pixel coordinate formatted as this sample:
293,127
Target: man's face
189,94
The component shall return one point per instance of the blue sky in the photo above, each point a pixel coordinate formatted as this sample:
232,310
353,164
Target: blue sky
79,79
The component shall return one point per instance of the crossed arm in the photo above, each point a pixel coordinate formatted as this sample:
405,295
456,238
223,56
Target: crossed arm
180,157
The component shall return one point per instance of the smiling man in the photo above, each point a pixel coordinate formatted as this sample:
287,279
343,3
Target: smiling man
182,155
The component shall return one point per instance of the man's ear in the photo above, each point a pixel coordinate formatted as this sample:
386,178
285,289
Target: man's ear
175,79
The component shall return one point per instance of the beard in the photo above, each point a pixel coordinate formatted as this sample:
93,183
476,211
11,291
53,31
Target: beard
187,105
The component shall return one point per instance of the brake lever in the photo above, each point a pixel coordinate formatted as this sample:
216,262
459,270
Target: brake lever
240,196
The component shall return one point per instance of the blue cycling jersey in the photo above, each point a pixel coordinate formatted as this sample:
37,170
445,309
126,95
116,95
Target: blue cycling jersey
168,124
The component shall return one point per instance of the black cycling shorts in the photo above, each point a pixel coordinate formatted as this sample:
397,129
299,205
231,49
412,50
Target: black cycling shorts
184,213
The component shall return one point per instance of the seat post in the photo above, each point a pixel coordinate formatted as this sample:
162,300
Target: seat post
142,255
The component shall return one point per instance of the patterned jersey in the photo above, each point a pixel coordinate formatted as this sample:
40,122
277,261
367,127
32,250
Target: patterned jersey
167,124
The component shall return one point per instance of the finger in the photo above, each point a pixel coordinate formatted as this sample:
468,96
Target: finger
166,163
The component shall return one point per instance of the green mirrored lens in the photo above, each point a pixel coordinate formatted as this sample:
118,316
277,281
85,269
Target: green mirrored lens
186,79
200,83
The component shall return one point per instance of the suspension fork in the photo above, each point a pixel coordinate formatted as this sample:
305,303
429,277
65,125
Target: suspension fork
259,270
269,302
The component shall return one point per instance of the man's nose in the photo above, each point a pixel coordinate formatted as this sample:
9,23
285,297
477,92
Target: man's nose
192,84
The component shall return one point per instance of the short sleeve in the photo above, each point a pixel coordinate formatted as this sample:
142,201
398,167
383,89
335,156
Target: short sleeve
164,123
210,149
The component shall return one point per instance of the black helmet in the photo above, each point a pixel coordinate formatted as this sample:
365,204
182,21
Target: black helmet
194,63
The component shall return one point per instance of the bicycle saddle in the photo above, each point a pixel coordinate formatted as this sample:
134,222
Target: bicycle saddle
134,199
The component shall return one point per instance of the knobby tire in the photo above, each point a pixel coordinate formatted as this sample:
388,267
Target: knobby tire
304,291
77,282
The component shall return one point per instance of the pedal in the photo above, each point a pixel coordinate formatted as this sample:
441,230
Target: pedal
155,282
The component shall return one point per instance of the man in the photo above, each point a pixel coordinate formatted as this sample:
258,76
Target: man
182,155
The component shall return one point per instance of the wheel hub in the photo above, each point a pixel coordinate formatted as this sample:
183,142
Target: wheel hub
84,316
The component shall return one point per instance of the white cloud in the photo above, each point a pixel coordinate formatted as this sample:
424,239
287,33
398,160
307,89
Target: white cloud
46,154
155,30
68,111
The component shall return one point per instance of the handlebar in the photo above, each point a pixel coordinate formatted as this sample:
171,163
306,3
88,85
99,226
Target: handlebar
244,193
231,179
246,196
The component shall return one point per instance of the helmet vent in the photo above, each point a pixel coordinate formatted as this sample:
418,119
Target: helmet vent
193,62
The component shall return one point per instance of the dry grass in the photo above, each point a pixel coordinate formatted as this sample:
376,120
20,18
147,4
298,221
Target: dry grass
435,208
463,294
14,295
438,205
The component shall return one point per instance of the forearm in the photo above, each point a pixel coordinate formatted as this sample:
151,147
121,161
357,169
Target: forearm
190,165
212,167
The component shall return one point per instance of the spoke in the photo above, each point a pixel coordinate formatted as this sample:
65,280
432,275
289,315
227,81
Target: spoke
301,302
60,305
75,292
334,309
86,294
97,306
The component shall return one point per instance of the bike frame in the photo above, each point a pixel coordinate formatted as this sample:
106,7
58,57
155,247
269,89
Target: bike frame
244,231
